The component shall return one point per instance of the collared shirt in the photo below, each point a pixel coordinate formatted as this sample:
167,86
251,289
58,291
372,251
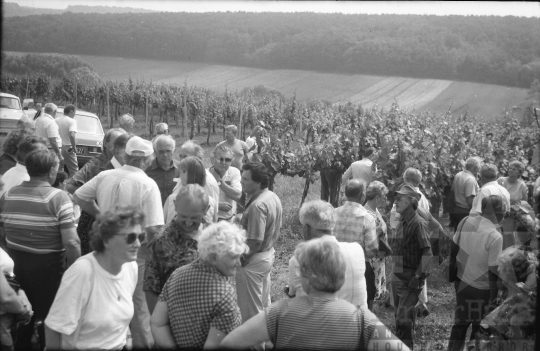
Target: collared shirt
239,149
360,170
231,177
212,190
66,125
126,186
168,250
6,162
480,245
464,185
47,128
198,297
32,215
114,163
90,169
412,236
355,224
14,176
518,191
164,178
354,286
488,189
262,219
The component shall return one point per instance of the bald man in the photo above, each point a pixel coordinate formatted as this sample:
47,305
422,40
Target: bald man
164,169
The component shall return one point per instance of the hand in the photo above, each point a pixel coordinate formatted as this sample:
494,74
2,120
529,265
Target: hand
415,283
225,206
60,158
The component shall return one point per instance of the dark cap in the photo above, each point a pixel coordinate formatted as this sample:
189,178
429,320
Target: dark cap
407,190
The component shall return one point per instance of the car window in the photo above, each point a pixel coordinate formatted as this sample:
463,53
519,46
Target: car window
88,125
9,102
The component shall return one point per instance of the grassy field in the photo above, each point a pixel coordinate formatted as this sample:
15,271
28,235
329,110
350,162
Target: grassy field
411,94
431,332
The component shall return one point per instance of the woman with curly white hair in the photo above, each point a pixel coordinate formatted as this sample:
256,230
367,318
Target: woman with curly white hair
197,306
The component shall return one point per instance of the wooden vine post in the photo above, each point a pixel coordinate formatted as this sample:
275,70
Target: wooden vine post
184,109
240,121
27,84
146,111
109,119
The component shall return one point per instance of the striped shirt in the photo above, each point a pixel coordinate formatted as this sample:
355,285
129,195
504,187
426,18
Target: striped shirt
412,236
318,323
32,215
355,224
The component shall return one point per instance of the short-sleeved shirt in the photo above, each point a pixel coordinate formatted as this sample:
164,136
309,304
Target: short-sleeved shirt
90,169
464,185
47,128
198,297
412,236
65,126
239,149
126,186
515,190
232,177
360,170
488,189
480,246
164,178
93,308
32,215
6,162
13,177
262,219
317,323
355,224
168,250
354,286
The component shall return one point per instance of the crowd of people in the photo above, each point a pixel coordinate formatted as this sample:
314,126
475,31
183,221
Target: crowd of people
144,243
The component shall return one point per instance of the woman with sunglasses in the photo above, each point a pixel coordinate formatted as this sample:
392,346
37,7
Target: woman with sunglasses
94,306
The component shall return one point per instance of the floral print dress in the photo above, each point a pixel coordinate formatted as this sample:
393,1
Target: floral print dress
378,263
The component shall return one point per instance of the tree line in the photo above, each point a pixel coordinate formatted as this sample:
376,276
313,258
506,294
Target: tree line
486,49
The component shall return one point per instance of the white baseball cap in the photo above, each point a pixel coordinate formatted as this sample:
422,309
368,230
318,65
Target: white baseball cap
137,146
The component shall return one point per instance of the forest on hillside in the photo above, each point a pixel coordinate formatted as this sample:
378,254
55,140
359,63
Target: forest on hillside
494,50
10,9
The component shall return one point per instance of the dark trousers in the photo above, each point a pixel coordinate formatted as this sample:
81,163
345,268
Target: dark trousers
470,309
405,301
330,184
458,215
39,277
370,285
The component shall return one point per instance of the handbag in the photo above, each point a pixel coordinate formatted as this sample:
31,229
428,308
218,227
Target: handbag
452,266
384,246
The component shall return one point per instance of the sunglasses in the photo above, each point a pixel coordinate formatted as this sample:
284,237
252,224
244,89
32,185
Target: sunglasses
221,159
131,237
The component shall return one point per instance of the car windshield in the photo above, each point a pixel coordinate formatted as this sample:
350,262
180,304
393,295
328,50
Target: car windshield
9,102
88,125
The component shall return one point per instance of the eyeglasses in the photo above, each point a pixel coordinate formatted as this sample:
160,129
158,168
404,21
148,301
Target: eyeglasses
131,237
221,159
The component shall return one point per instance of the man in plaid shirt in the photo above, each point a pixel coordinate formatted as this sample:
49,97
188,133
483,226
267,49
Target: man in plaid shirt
355,224
412,255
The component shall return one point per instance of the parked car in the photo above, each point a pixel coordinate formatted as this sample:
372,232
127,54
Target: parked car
10,113
89,136
29,108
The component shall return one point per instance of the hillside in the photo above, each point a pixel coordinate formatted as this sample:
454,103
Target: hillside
420,94
482,49
11,9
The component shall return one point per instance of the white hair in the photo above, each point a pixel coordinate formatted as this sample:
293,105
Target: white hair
220,239
412,176
318,214
50,108
165,138
473,163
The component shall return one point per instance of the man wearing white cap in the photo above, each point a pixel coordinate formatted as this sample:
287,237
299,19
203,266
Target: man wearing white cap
124,186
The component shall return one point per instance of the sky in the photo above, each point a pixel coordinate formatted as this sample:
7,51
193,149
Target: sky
515,8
